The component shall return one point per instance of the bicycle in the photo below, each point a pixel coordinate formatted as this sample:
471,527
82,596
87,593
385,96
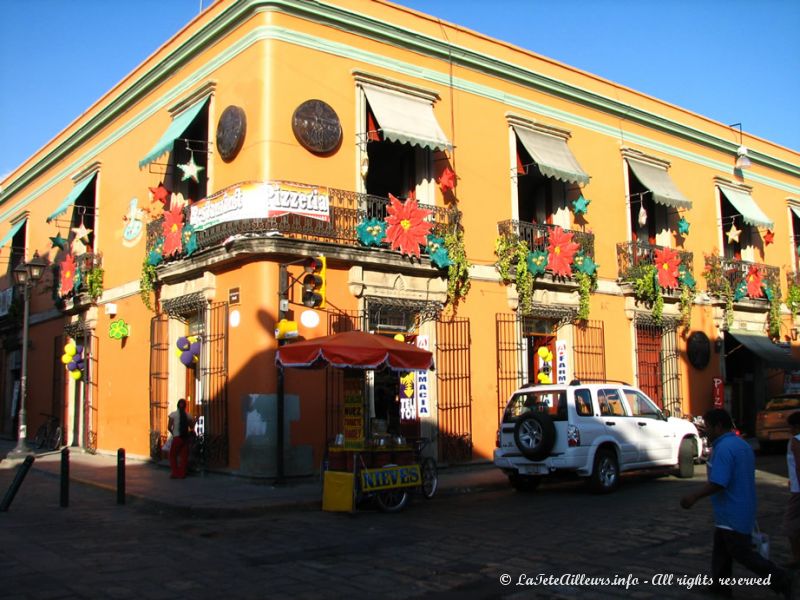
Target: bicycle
49,435
428,468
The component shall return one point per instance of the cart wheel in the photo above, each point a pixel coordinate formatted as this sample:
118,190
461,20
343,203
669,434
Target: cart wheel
430,477
392,500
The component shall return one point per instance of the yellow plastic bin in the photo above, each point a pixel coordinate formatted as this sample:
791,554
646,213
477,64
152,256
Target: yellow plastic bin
337,491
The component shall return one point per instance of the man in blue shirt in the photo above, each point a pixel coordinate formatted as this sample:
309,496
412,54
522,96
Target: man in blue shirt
732,487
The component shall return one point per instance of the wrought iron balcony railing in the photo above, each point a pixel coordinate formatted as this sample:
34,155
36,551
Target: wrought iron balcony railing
347,210
722,273
537,236
633,255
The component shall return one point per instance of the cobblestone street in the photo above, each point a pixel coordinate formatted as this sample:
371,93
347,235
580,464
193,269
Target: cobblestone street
453,546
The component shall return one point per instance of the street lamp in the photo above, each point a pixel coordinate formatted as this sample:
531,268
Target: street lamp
26,275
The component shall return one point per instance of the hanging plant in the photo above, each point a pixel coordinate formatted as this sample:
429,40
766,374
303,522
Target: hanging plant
774,317
586,285
147,282
686,301
458,282
719,285
793,299
512,254
646,289
94,283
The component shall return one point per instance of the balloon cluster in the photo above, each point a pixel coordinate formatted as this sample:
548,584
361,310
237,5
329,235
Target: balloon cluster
188,349
73,359
546,365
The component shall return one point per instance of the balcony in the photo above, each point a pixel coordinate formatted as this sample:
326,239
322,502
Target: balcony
537,236
725,275
631,256
347,210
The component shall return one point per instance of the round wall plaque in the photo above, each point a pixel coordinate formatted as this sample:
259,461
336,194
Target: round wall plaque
316,126
231,128
698,349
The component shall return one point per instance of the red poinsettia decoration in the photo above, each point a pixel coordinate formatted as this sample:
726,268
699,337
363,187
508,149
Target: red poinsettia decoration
667,262
67,274
448,180
172,228
561,251
754,282
407,228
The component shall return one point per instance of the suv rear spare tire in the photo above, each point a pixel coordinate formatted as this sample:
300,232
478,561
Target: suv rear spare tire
534,435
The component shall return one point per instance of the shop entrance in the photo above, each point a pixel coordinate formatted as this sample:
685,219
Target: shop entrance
395,404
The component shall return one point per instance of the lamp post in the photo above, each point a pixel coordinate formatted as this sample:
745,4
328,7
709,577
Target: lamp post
26,275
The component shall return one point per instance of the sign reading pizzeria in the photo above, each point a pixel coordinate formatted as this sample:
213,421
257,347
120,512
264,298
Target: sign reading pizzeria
260,200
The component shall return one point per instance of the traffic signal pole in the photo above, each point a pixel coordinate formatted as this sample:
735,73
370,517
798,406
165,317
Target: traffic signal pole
283,300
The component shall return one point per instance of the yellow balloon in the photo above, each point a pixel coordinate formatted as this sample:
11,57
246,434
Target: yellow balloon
75,375
542,352
66,358
400,337
544,378
549,357
178,352
70,349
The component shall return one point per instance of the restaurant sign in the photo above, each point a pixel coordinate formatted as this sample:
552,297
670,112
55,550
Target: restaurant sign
389,478
260,200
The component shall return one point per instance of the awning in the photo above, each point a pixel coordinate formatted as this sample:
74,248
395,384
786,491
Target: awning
747,207
660,184
405,118
174,131
12,232
71,197
552,156
774,356
795,210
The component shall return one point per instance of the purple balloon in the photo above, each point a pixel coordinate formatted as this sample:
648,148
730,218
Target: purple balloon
72,366
78,350
195,348
187,358
79,363
182,343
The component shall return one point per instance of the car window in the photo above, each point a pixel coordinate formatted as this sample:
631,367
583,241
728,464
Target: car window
610,403
641,405
583,403
549,402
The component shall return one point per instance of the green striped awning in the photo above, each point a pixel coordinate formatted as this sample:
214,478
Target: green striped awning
11,233
747,207
552,156
71,197
657,180
174,131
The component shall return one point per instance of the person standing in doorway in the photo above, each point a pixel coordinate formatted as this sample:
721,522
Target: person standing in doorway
791,519
181,426
732,487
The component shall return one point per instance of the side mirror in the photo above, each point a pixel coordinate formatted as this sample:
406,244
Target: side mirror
666,413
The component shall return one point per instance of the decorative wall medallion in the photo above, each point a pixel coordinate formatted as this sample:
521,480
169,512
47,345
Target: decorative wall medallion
316,126
698,349
231,128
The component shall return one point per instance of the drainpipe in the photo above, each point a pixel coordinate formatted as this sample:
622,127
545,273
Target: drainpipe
283,286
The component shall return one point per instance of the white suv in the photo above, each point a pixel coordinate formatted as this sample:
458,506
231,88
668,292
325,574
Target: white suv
596,430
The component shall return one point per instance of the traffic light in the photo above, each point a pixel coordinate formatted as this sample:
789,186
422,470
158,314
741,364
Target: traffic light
314,282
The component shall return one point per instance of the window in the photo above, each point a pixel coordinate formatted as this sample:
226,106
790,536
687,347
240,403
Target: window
583,403
610,403
641,406
738,209
795,233
552,403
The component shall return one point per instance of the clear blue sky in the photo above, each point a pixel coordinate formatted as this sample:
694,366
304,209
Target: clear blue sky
730,60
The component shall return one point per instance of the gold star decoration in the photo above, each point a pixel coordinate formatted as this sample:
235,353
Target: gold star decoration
191,170
733,234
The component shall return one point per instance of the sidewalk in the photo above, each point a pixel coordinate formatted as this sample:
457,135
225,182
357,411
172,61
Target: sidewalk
149,486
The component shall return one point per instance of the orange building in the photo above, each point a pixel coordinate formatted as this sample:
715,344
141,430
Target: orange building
524,220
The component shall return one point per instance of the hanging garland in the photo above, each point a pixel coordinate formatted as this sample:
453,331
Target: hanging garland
793,299
458,282
94,283
147,282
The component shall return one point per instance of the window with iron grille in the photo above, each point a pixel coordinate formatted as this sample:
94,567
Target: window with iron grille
657,371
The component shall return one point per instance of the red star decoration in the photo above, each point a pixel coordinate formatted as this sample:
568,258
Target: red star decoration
160,193
769,237
447,181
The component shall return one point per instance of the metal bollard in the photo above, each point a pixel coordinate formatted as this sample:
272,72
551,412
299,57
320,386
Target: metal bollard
15,485
64,502
121,476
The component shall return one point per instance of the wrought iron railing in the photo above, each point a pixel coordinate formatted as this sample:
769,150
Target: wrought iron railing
347,210
730,272
537,236
633,255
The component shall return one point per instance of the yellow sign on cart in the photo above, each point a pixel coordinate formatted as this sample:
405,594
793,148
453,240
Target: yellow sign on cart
337,491
389,478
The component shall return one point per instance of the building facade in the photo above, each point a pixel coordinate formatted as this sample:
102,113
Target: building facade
523,220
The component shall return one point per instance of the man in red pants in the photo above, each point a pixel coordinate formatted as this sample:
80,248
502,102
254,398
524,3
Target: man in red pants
180,425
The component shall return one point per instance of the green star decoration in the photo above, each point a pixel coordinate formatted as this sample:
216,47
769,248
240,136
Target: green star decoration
685,277
156,255
537,262
767,292
438,252
371,232
683,226
580,205
118,329
58,241
740,292
584,264
190,244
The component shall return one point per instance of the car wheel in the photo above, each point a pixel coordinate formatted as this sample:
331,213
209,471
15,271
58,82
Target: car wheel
534,435
524,483
686,459
605,475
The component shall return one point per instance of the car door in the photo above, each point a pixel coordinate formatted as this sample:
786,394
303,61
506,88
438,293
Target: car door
656,436
619,424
